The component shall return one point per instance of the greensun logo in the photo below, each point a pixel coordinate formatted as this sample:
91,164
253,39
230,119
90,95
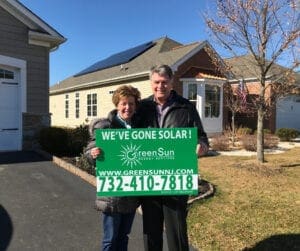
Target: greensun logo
131,155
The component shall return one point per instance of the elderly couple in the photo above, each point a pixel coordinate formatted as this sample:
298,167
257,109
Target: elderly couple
165,108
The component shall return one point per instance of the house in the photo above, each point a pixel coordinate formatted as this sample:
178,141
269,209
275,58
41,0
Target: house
86,95
25,44
286,110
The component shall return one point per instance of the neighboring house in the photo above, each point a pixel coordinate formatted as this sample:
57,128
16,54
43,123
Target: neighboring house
86,95
25,44
286,111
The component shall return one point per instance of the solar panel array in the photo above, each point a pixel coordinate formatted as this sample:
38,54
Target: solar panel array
117,59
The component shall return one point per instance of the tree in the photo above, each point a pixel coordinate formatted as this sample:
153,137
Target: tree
236,101
268,31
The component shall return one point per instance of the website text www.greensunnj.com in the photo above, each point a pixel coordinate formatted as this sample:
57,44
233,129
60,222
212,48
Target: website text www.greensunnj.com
146,172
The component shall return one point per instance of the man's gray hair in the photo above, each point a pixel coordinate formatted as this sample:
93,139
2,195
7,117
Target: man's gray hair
162,70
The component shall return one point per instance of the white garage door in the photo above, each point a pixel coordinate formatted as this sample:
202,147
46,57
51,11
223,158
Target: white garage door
288,112
10,115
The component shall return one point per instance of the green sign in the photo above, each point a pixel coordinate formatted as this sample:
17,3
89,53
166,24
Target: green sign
151,161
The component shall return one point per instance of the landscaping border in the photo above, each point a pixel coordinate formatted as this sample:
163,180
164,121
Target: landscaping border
208,192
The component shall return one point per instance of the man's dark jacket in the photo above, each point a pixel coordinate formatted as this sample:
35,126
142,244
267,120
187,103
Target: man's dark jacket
181,113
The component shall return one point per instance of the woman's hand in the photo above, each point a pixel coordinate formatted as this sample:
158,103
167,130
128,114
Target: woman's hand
95,152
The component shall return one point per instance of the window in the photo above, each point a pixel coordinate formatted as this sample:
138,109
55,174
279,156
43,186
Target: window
66,106
77,105
6,74
192,93
212,101
92,105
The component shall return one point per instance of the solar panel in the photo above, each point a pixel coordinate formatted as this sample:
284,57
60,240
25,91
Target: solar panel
117,59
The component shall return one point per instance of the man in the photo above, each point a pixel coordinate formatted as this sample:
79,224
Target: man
165,109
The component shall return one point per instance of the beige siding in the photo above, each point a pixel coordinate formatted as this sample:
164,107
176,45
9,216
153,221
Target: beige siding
14,43
104,104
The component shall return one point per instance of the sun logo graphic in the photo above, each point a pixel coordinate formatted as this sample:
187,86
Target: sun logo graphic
129,155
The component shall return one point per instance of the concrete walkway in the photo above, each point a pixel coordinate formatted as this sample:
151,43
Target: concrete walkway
282,147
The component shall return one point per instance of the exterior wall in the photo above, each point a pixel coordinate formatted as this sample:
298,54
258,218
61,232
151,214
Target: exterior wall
14,44
201,63
245,120
201,60
104,103
32,123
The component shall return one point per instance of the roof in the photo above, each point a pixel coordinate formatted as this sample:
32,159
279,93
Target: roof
40,33
163,50
245,67
117,59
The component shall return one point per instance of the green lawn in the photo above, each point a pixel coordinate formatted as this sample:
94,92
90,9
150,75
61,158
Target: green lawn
255,207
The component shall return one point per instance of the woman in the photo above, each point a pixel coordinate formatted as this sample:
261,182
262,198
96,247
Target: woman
118,212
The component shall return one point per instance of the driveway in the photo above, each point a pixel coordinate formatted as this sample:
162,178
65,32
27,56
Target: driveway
44,207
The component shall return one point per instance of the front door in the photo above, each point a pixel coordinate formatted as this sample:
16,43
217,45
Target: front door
10,110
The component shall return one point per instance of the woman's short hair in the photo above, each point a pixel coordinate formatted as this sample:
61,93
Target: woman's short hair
126,91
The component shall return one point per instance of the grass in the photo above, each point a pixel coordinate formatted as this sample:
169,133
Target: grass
255,207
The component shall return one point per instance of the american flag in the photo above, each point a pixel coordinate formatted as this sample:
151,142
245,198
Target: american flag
242,94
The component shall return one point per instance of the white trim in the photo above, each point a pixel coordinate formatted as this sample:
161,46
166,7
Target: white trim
211,125
42,39
205,80
20,65
248,79
188,55
193,52
20,12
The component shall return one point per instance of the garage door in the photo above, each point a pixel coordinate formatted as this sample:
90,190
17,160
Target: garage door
10,131
288,112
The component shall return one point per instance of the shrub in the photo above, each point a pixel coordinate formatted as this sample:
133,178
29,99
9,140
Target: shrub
77,139
266,131
286,134
220,143
249,142
241,131
54,140
84,164
270,141
63,141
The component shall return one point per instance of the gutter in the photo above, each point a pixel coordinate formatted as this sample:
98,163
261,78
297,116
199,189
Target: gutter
247,79
99,83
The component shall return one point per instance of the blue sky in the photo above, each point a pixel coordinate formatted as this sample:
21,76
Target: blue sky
96,29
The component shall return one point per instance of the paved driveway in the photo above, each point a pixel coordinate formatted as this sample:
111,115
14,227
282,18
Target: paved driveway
44,207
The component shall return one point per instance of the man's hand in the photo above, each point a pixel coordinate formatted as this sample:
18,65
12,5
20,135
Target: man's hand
201,149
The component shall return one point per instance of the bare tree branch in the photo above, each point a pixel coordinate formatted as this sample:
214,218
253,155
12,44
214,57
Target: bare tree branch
269,32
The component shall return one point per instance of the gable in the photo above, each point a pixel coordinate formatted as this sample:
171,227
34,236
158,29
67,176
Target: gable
198,65
39,32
